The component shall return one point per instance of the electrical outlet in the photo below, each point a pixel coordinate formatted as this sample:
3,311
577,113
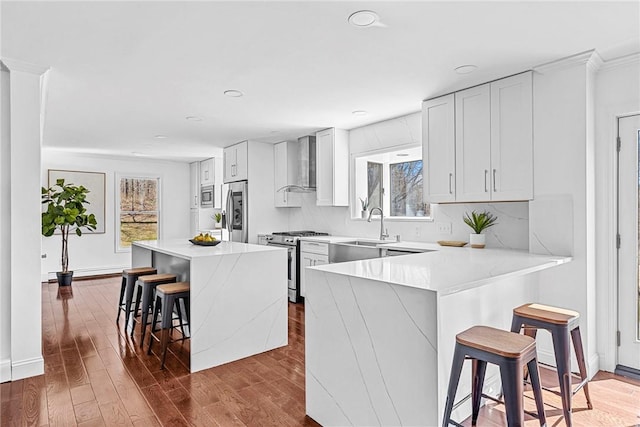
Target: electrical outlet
43,256
418,231
444,227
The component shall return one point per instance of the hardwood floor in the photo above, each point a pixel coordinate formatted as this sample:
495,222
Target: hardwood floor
96,375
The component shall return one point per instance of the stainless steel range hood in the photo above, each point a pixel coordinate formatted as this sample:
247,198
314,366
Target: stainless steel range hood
306,182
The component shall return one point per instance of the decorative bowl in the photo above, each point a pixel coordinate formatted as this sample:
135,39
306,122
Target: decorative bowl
195,242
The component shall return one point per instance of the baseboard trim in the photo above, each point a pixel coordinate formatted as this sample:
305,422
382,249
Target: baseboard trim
27,368
5,370
88,273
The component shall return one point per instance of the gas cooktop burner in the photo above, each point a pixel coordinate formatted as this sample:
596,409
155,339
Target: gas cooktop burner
302,233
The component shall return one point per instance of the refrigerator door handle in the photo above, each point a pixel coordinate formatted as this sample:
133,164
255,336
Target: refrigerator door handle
230,214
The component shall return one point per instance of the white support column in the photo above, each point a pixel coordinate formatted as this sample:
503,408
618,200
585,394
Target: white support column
25,103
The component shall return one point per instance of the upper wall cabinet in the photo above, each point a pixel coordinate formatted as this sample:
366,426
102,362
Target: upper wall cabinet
207,169
439,149
235,162
483,152
332,167
285,155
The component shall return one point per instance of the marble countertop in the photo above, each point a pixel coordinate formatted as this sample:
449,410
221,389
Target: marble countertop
183,248
445,270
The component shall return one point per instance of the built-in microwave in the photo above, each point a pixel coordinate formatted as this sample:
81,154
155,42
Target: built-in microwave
206,196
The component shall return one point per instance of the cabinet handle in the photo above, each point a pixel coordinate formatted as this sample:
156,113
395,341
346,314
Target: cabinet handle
450,179
195,200
494,181
486,172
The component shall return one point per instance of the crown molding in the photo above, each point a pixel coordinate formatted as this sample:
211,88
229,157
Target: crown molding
591,58
622,61
26,67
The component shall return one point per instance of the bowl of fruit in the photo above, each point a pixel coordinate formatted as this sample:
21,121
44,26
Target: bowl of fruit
204,240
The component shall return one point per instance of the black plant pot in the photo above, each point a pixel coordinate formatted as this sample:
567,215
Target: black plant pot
64,279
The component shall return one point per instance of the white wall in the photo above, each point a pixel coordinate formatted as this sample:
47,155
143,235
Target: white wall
5,231
512,230
617,93
96,253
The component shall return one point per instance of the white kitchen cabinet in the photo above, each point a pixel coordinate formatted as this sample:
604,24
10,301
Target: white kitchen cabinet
207,172
236,162
439,149
194,185
478,143
332,167
194,221
512,138
473,144
311,254
285,156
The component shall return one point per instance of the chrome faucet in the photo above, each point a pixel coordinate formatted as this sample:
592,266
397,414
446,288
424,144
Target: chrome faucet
383,233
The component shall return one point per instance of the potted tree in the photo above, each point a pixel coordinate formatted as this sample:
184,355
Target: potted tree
478,223
65,211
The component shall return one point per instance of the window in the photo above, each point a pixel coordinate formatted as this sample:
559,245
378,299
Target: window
393,181
406,189
138,213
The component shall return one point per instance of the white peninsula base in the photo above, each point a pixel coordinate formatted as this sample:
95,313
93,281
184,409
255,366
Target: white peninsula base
380,333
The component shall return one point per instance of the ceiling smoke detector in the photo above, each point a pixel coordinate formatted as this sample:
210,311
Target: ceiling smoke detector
466,69
194,118
359,113
160,136
363,18
233,93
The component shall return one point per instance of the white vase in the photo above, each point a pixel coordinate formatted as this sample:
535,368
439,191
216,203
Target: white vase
477,240
364,214
218,225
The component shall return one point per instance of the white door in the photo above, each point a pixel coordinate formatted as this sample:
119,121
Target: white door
628,284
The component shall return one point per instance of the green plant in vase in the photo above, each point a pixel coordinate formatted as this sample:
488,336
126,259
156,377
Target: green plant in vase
478,223
365,206
65,211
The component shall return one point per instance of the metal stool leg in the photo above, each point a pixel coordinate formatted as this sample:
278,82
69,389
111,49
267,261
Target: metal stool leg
511,374
456,370
167,320
154,321
537,390
138,292
561,348
122,288
582,366
479,369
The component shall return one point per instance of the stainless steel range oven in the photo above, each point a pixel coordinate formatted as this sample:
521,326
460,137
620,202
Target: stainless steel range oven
290,240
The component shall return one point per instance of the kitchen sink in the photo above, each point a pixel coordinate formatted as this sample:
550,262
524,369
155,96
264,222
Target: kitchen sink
361,249
368,243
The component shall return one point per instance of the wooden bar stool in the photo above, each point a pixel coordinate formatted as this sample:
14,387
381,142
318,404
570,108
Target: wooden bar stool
511,352
129,277
560,322
145,288
168,297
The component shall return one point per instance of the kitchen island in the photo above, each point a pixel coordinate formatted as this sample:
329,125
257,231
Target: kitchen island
238,295
380,333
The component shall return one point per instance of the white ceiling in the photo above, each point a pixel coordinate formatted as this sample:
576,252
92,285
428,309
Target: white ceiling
122,72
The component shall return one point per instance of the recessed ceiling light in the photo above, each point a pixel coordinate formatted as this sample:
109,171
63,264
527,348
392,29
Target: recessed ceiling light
135,153
194,118
363,18
402,154
466,69
233,93
160,136
359,113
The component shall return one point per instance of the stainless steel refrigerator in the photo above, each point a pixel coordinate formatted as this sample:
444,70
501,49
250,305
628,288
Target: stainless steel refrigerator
237,213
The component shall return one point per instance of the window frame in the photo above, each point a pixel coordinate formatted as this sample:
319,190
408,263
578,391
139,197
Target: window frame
123,175
354,205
